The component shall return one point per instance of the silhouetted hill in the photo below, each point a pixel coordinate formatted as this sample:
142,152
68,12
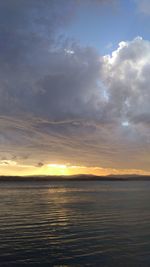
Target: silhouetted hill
82,177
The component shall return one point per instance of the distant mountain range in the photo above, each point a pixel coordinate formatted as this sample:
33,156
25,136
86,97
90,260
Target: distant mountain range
82,177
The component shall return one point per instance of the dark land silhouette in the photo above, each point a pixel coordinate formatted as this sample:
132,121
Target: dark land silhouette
81,177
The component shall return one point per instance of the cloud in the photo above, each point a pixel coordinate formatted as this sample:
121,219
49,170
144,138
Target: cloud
143,6
61,102
126,75
7,163
36,69
40,164
67,118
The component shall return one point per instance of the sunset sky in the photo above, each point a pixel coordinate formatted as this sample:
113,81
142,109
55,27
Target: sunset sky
74,87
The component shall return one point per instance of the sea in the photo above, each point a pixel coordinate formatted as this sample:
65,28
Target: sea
75,223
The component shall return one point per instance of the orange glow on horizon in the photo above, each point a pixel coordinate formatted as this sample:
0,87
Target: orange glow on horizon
14,168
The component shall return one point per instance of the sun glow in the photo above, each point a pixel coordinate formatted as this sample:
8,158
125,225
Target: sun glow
58,169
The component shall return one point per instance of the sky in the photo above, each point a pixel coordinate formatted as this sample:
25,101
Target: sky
74,87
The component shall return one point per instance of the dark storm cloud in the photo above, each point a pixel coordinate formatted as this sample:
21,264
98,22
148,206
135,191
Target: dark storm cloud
27,26
27,32
36,66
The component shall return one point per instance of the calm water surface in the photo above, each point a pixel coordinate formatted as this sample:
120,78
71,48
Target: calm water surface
75,223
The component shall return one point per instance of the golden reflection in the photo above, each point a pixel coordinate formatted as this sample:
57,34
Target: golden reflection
59,199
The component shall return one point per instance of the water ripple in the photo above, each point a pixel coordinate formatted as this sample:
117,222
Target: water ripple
75,224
